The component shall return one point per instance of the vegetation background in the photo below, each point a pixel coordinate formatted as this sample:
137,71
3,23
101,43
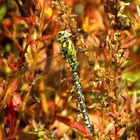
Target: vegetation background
37,97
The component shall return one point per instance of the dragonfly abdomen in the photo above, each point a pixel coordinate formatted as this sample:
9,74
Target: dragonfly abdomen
78,89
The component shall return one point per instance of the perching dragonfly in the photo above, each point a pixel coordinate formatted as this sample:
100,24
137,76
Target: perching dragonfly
68,51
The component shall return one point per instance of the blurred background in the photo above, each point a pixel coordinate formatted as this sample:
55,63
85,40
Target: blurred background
37,96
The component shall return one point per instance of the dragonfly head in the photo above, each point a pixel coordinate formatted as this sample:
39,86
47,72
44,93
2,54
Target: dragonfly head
62,36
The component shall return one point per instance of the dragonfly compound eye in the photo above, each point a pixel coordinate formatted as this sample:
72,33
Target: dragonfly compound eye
59,37
66,34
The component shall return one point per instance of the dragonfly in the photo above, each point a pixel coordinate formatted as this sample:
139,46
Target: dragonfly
69,53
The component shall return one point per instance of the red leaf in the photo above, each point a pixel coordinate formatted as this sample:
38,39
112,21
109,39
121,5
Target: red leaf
10,35
15,102
76,125
128,43
52,106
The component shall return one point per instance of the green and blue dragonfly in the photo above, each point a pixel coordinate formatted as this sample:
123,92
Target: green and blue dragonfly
69,53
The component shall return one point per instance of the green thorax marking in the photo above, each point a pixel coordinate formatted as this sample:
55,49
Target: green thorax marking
67,48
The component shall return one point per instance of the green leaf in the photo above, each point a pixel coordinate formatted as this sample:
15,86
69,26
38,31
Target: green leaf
40,133
134,92
40,139
3,10
138,9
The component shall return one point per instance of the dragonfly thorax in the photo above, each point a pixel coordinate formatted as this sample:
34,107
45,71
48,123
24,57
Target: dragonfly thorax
67,48
62,36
